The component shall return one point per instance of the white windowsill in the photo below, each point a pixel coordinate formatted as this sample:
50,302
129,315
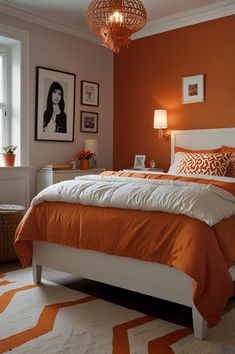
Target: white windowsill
14,167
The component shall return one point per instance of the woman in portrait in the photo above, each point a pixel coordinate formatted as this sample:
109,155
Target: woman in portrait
54,118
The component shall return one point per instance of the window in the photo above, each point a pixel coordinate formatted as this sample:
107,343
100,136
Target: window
2,125
3,97
10,95
15,91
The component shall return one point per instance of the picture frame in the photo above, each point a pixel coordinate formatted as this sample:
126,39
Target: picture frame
89,122
55,105
193,89
139,162
89,93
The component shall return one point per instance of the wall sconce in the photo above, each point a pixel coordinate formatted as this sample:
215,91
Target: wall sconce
160,122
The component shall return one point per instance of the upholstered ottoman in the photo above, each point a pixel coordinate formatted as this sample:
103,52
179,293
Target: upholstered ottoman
10,216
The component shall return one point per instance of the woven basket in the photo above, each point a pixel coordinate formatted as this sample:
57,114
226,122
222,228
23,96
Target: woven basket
10,217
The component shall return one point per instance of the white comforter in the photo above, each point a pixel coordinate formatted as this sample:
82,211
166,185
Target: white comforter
207,203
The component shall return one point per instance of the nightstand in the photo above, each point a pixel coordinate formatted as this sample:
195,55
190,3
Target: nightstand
46,177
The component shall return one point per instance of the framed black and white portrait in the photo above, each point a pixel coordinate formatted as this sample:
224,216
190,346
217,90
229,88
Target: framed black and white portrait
89,93
55,100
89,122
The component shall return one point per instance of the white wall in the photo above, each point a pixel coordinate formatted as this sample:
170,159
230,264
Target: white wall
91,62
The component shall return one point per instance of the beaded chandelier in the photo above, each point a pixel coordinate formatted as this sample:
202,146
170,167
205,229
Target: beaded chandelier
115,21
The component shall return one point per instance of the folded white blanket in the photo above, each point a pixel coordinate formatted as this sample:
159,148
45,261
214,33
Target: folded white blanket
204,202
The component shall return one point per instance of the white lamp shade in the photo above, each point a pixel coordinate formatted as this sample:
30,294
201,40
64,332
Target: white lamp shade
91,145
160,119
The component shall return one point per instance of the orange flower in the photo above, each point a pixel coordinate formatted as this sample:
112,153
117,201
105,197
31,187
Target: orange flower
83,155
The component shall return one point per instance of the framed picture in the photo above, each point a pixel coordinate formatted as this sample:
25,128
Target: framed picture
139,161
89,122
55,99
89,93
193,89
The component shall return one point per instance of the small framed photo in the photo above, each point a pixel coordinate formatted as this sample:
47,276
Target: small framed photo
55,99
193,89
90,93
139,162
89,122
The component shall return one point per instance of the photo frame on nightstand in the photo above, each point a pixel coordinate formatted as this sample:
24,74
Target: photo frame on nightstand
139,161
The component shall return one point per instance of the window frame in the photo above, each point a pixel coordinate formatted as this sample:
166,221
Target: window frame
5,103
18,42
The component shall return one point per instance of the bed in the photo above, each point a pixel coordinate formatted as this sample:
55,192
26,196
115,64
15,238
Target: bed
147,277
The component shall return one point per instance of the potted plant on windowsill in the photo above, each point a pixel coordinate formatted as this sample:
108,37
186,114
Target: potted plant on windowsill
8,155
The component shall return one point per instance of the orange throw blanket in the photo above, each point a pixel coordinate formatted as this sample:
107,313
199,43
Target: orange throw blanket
228,186
203,252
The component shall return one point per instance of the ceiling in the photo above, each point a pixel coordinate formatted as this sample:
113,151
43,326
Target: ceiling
69,15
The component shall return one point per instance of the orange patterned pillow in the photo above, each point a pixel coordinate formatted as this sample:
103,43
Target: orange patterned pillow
231,166
205,164
180,149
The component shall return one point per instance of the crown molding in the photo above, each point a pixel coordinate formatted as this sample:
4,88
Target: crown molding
187,18
26,14
183,19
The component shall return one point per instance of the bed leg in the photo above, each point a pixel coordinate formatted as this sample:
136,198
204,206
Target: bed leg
37,272
199,324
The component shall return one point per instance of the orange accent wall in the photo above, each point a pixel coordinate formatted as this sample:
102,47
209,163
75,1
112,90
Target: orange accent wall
148,75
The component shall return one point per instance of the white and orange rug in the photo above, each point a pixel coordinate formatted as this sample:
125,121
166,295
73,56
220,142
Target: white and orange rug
54,319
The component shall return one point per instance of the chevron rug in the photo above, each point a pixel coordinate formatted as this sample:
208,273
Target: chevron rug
54,319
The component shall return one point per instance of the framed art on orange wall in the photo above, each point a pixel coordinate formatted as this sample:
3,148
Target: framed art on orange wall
193,89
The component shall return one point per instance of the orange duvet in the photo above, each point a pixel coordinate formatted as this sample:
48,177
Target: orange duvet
201,251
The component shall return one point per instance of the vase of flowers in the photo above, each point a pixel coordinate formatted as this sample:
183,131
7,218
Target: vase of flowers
84,159
8,155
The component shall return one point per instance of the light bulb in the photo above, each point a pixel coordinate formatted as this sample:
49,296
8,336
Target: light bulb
116,17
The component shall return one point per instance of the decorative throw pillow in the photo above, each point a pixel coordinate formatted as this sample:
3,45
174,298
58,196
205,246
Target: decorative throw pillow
231,166
178,153
214,164
180,149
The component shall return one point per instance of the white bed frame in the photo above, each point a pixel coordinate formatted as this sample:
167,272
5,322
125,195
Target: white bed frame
144,277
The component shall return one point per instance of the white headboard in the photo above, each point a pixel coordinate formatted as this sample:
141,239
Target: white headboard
202,139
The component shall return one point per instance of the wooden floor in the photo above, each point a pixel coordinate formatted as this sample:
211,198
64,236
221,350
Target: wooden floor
146,304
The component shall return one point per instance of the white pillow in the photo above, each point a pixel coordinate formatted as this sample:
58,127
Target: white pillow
173,167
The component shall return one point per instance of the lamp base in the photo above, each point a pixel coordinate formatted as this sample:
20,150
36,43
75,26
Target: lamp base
165,136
